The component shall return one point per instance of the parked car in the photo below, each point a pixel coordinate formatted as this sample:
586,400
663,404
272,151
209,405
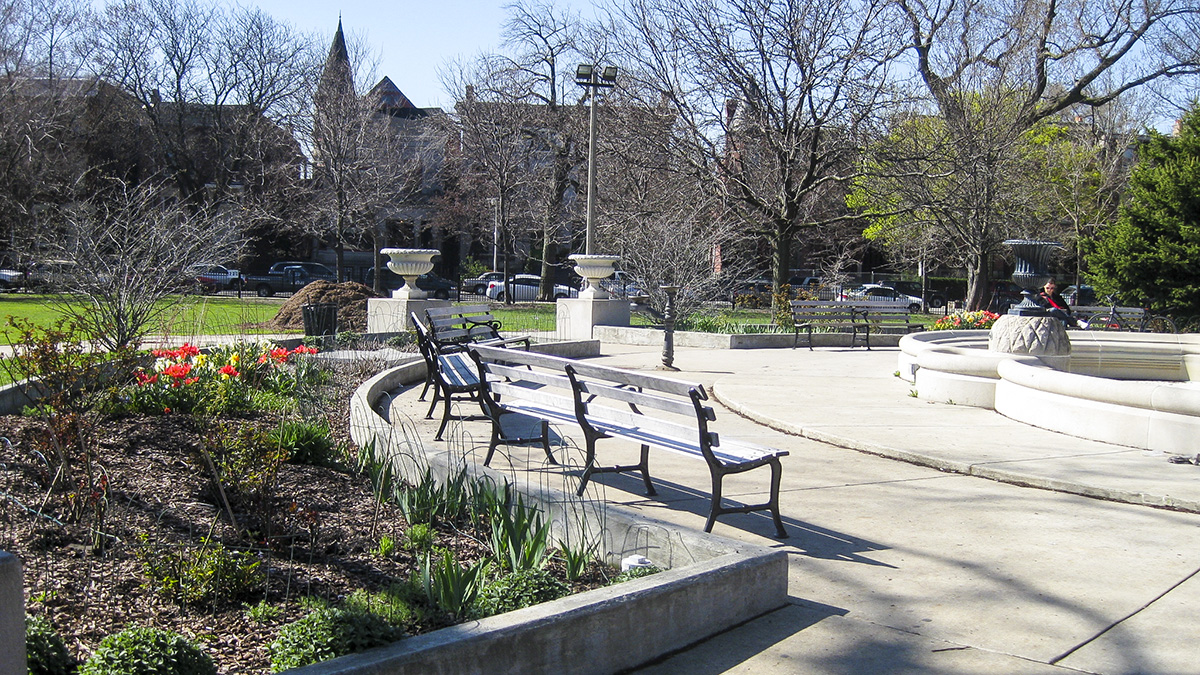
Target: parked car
1004,294
478,285
1074,295
11,280
52,275
797,281
429,282
213,278
525,289
314,270
623,285
285,277
935,299
878,293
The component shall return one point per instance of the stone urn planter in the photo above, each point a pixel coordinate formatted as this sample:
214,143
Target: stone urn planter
1032,273
410,263
594,268
1028,328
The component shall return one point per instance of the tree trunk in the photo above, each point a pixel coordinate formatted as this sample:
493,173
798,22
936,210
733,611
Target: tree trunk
781,261
978,282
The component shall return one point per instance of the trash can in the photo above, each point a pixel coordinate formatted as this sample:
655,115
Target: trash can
320,319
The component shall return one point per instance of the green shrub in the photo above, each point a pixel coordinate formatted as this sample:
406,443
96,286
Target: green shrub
401,605
328,633
386,546
401,341
520,589
45,650
210,574
306,442
421,537
520,536
148,651
451,587
263,612
248,460
577,558
635,573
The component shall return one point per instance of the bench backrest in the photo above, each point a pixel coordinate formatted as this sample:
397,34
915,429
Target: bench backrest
597,393
872,306
885,313
518,375
821,310
1132,313
452,366
462,324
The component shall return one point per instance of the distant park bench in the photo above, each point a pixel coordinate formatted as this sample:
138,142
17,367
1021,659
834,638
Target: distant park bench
861,317
604,402
467,324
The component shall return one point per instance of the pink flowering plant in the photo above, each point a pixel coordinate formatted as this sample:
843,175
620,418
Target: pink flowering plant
980,320
228,379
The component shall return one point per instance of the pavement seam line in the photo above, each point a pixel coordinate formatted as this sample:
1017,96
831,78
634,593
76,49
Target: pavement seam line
1123,619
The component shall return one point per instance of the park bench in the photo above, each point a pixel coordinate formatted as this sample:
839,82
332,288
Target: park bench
1124,318
449,371
468,324
861,317
826,314
604,402
884,316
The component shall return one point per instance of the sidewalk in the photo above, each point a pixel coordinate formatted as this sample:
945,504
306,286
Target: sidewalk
904,568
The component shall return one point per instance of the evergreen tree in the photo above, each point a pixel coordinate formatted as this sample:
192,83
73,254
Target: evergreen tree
1152,253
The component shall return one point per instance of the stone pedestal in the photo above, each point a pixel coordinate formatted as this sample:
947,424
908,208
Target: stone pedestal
1042,336
575,317
390,315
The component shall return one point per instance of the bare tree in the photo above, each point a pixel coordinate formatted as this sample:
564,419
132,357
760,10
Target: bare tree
496,158
776,97
994,70
125,257
520,139
222,90
44,45
368,161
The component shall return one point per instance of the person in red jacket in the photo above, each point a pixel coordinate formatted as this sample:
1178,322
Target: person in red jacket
1053,301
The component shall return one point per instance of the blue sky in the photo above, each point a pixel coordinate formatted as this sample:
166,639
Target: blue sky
412,39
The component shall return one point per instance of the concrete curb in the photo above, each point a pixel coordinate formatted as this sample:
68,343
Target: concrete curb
602,631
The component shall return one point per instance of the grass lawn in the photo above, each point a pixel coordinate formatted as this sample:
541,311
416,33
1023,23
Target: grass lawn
182,316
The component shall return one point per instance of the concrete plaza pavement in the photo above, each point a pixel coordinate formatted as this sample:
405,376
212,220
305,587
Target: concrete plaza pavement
932,566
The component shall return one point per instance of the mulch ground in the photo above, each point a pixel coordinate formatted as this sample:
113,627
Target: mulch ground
159,491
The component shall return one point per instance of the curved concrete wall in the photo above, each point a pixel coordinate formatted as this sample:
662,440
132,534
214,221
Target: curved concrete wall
1134,389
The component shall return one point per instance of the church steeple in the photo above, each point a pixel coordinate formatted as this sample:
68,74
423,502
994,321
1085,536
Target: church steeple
337,78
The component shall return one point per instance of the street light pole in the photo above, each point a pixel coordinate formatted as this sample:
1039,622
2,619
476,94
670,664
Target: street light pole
593,78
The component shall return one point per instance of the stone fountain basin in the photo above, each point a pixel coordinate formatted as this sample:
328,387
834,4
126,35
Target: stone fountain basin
1139,390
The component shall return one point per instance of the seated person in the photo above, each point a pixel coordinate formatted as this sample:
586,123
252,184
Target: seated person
1058,308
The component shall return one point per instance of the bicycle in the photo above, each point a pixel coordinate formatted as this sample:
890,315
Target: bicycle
1130,319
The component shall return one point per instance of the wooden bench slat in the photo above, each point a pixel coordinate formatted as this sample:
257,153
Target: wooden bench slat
644,400
644,380
458,309
538,377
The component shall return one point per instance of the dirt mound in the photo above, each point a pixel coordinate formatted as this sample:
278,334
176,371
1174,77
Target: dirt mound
350,297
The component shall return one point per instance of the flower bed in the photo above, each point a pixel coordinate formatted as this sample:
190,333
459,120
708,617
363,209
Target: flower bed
980,320
218,496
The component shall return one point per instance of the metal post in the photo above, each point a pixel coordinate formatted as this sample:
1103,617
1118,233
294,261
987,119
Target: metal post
668,353
593,78
591,181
